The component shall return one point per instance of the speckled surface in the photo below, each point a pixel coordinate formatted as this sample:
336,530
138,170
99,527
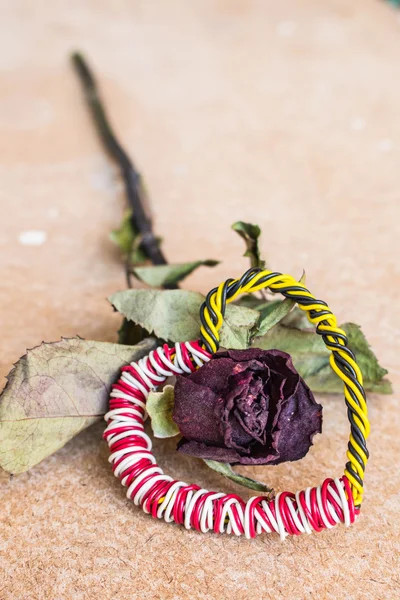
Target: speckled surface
284,113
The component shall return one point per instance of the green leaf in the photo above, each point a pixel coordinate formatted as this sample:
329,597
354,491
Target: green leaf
250,233
367,361
54,392
297,318
239,327
273,313
164,275
160,406
170,314
311,358
129,240
125,235
226,470
137,256
174,315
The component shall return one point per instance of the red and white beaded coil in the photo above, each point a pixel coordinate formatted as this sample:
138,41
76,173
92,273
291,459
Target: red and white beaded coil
163,497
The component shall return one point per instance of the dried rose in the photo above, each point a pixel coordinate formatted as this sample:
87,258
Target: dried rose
247,407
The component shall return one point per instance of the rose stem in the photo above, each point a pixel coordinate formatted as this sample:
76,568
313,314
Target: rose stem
131,177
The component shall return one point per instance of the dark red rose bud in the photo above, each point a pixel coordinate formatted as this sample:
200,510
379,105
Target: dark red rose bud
247,407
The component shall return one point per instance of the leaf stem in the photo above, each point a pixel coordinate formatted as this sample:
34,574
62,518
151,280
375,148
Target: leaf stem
135,192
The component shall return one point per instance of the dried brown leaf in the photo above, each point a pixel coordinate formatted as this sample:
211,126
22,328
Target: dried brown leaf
55,391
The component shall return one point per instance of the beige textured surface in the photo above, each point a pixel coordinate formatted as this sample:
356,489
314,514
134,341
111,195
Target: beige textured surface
285,113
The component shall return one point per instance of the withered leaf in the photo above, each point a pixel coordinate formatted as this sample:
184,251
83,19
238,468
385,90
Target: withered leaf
274,311
226,470
129,240
174,315
166,275
311,358
250,233
55,391
125,235
160,406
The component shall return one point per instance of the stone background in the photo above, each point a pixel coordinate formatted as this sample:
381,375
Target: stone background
281,113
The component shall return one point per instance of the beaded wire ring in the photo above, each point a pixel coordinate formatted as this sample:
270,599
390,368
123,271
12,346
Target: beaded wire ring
335,501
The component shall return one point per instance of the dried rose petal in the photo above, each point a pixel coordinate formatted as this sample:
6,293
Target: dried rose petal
247,407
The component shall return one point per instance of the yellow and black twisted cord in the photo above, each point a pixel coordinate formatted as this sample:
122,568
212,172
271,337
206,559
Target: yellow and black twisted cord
342,359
